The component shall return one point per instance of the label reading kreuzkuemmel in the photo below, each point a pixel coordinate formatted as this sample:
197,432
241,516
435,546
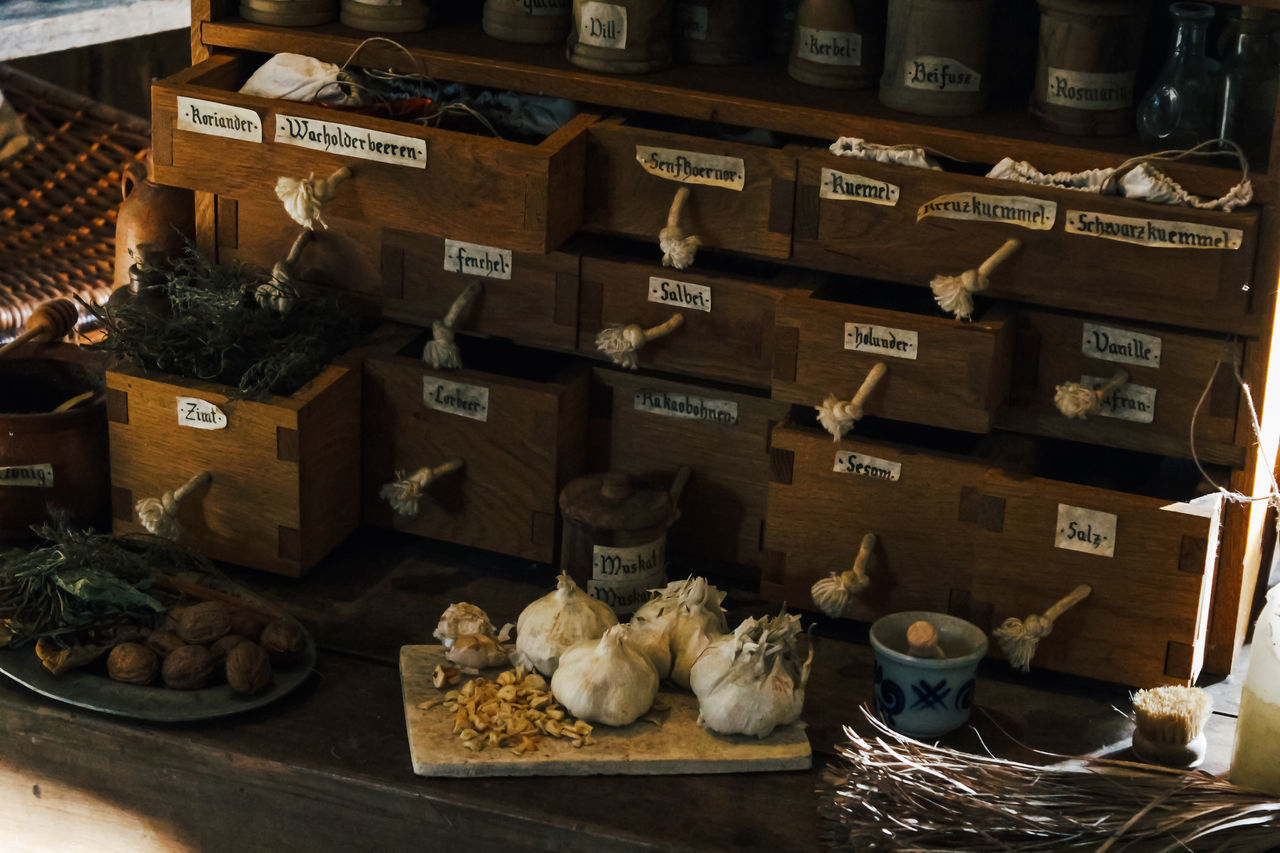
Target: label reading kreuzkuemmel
882,340
686,406
603,25
1124,346
1135,403
1090,531
691,167
456,398
1159,233
214,119
474,259
1038,214
940,74
848,462
691,21
828,47
200,414
351,141
681,294
844,186
621,577
38,476
1089,90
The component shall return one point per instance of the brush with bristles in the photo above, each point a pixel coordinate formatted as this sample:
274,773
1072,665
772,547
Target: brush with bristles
1170,725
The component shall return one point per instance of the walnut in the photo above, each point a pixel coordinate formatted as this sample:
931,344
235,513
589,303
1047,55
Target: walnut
133,663
246,624
203,623
248,668
164,641
225,644
188,668
284,641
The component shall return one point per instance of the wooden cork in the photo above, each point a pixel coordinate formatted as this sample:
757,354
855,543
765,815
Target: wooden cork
922,640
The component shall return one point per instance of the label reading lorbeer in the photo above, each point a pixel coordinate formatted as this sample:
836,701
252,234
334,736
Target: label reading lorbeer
940,74
474,259
621,577
691,21
38,476
351,141
1035,213
1089,90
456,398
1159,233
214,119
828,47
1090,531
843,186
1135,403
1120,345
691,167
882,340
603,25
681,294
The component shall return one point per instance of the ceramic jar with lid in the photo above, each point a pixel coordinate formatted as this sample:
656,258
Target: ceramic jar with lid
838,43
719,32
935,60
621,37
527,21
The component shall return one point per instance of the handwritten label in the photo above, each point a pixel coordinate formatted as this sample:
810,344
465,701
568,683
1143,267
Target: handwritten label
682,294
848,462
1120,345
474,259
1160,233
603,25
882,340
828,47
687,406
39,476
1035,213
1087,530
690,167
843,186
691,21
351,141
940,74
1089,90
200,414
1135,403
546,8
456,398
214,119
621,577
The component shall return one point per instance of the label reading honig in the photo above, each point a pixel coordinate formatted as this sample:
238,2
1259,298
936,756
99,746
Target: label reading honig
828,47
1159,233
351,141
1135,403
621,577
686,406
691,167
1123,346
1089,90
681,294
882,340
214,119
691,21
844,186
474,259
1089,531
1037,214
200,414
940,74
456,398
38,476
603,25
848,462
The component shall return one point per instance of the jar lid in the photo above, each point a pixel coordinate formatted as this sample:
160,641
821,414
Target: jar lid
615,501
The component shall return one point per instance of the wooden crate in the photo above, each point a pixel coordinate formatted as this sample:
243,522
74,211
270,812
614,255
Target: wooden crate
285,470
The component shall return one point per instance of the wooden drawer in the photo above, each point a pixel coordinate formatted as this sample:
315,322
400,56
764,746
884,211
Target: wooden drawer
747,206
649,427
727,332
854,230
940,372
441,182
1168,372
515,417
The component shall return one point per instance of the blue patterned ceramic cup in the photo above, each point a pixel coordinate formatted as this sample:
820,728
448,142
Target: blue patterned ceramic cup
926,697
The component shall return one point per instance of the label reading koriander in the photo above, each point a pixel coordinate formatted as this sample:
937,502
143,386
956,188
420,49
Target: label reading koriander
1160,233
546,8
843,186
351,141
691,21
687,406
603,25
940,74
691,167
681,294
1135,403
1120,345
456,398
621,577
214,119
200,414
1036,214
1088,530
882,340
1089,90
39,476
828,47
474,259
848,462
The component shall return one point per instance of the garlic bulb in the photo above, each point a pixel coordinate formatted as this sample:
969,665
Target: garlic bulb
477,651
461,618
694,617
651,635
555,622
607,680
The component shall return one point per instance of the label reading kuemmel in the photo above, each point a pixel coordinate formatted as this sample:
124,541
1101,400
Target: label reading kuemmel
603,25
1037,214
214,119
1090,531
200,414
844,186
691,167
1123,346
882,340
1159,233
621,576
474,259
1135,403
546,8
456,398
38,476
351,141
828,47
686,406
940,74
681,294
848,462
691,21
1089,90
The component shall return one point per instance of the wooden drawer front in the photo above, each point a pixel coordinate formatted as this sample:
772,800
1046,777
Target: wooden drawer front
1167,371
940,372
622,197
723,508
472,188
728,325
1201,288
514,462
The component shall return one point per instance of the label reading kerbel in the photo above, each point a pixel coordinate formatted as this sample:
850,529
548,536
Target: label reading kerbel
1158,233
603,25
474,259
1123,346
828,47
1135,403
38,476
691,21
1089,531
691,167
882,340
848,462
456,398
940,74
214,119
351,141
687,406
1089,90
621,577
681,294
1037,214
844,186
200,414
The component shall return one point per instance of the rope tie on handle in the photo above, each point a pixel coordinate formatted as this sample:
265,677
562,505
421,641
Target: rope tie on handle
838,416
441,352
50,321
622,343
954,293
1076,400
1019,637
677,250
406,491
160,515
280,293
833,593
304,198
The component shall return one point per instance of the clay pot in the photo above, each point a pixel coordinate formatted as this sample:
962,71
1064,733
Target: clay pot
621,37
528,21
935,60
149,213
719,32
838,43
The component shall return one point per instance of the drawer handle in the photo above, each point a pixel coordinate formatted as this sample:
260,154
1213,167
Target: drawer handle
833,593
160,515
1019,637
838,416
622,343
404,493
1077,401
280,292
954,293
441,352
304,198
677,250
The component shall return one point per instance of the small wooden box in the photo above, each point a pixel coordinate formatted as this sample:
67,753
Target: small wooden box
285,470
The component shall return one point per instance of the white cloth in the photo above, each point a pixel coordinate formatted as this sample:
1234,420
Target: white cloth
293,77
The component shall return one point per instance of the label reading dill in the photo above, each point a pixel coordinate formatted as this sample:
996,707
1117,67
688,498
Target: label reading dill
39,476
1159,233
621,577
1035,213
828,47
214,119
456,398
1089,531
681,294
691,167
351,141
1135,403
603,25
848,462
200,414
687,407
1120,345
474,259
1089,90
843,186
691,21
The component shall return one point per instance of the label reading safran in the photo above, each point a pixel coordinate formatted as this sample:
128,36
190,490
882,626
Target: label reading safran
456,398
843,186
881,340
1038,214
1135,403
1090,531
474,259
687,406
848,462
1159,233
351,141
214,119
200,414
681,294
603,25
39,476
691,167
1120,345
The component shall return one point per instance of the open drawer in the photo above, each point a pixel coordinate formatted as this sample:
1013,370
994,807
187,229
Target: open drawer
207,136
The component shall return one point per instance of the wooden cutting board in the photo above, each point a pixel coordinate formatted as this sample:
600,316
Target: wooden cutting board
677,745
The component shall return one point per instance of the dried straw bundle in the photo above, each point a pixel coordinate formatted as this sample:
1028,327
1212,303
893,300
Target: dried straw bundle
895,793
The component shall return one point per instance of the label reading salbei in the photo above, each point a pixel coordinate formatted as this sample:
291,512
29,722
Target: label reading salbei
603,25
843,186
1089,90
681,294
828,47
692,167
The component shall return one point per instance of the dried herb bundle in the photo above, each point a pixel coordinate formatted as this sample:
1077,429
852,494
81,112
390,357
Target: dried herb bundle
895,793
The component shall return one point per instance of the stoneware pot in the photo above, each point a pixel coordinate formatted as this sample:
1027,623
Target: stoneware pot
926,697
150,214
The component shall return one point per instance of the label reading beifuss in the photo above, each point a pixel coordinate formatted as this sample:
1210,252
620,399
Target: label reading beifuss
39,476
848,462
1160,233
844,186
691,167
828,47
214,119
691,21
621,577
1089,90
456,398
1135,403
1035,213
200,414
882,340
1124,346
474,259
351,141
940,74
687,406
681,294
1090,531
603,25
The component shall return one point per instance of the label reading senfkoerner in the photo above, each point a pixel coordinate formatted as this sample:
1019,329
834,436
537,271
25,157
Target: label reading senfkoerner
603,25
1088,530
39,476
690,167
940,74
882,340
456,398
681,294
200,414
691,21
1124,346
1089,90
843,186
848,462
1135,403
1160,233
621,577
474,259
687,406
546,8
214,119
1035,213
828,47
351,141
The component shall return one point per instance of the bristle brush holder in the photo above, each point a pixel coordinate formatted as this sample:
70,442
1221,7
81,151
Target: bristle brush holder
926,697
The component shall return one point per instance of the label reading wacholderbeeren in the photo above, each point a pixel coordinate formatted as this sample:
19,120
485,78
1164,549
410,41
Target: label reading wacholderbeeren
687,406
828,47
882,340
474,259
603,25
843,186
848,462
691,167
456,398
1037,214
1089,90
351,141
1124,346
681,294
940,74
214,119
39,476
1158,233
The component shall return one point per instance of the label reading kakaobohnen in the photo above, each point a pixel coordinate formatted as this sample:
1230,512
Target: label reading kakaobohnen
681,294
603,25
621,576
692,167
828,47
1089,90
845,186
687,407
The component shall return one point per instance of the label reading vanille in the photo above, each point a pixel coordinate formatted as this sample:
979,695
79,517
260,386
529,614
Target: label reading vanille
214,119
940,74
200,414
1036,214
456,398
621,577
828,47
691,21
1135,403
844,186
1089,531
882,340
681,294
1089,90
1124,346
351,141
1160,233
687,407
39,476
691,167
603,25
848,462
474,259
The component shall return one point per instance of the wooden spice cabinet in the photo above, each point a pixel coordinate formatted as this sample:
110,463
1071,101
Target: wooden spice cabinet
1211,309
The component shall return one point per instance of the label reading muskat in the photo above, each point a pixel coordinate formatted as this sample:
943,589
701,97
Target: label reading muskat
456,398
843,186
603,25
622,576
828,47
1089,531
1158,233
351,141
474,259
681,294
882,340
1124,346
214,119
1035,213
691,167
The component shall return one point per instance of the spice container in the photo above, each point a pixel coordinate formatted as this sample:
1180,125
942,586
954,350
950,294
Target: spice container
527,21
1255,760
625,37
838,43
936,56
1088,59
941,687
782,26
289,13
719,32
385,16
1177,111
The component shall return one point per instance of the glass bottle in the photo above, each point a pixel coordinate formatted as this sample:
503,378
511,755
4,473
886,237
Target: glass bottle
1247,89
1177,111
1255,760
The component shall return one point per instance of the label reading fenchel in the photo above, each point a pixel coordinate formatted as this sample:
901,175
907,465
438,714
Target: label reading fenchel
603,25
687,406
843,186
681,294
214,119
456,398
881,340
1089,90
1135,403
1087,530
39,476
200,414
690,167
474,259
621,577
1038,214
691,21
1160,233
848,462
940,74
1120,345
351,141
828,47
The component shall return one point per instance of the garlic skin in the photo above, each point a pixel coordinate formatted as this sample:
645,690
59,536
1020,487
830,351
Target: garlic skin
651,636
694,617
461,618
553,623
606,681
477,651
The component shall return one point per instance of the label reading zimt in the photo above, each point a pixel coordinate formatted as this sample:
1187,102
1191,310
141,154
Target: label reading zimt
621,577
200,414
848,462
828,47
690,167
214,119
1160,233
1108,343
687,406
39,476
351,141
1135,403
691,21
882,340
1090,531
940,74
843,186
603,25
456,398
474,259
1089,90
681,294
1036,214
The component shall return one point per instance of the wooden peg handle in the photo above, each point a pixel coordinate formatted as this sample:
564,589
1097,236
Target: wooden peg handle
922,638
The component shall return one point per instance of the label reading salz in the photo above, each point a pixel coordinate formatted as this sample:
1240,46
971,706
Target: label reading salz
1089,90
1120,345
200,414
681,294
1090,531
1036,214
940,74
690,167
1160,233
828,47
882,340
848,462
39,476
1135,403
603,25
691,21
546,8
621,577
351,141
474,259
214,119
456,398
843,186
687,406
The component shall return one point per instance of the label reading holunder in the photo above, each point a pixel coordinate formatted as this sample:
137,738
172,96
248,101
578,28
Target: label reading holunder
828,47
691,21
603,25
1088,530
621,577
882,340
686,406
200,414
351,141
456,398
1160,233
844,186
214,119
1035,213
1120,345
474,259
1135,403
681,294
1089,90
691,167
38,476
848,462
940,74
